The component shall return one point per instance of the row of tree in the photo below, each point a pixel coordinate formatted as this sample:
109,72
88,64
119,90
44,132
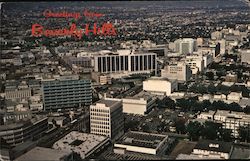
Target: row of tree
212,89
210,130
192,104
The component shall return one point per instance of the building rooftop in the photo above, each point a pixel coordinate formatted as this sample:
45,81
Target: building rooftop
161,79
131,156
20,123
142,139
82,143
40,153
193,157
107,103
213,145
240,152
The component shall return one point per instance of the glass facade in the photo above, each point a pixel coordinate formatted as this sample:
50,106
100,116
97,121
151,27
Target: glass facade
60,94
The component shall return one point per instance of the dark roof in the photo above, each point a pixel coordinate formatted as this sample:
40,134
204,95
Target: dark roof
4,144
141,139
224,147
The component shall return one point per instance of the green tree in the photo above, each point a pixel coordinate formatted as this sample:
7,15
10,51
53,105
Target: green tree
145,128
210,75
244,134
180,125
235,107
182,103
197,106
211,89
131,125
194,129
211,130
161,127
167,102
247,110
206,104
226,135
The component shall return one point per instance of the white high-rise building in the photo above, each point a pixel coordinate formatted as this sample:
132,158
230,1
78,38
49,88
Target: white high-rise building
106,118
185,45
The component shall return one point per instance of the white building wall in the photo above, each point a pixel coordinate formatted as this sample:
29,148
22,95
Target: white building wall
163,87
137,149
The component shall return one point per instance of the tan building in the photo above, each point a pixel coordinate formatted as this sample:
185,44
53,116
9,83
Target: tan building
231,78
160,86
106,118
177,70
217,35
140,106
245,56
101,78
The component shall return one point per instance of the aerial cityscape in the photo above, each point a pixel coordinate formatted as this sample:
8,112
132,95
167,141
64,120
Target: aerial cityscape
125,80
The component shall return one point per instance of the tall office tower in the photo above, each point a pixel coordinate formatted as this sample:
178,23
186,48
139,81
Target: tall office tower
126,63
106,118
177,70
185,46
66,93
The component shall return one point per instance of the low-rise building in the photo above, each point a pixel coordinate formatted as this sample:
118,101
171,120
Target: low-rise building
245,56
213,149
140,106
101,78
229,120
177,70
82,143
18,93
230,77
40,153
142,142
232,120
22,130
206,115
160,86
234,96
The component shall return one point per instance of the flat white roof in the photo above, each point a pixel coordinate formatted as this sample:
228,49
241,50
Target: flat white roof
82,143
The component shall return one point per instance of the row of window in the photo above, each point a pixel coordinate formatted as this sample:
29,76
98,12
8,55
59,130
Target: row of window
99,114
99,126
98,110
99,118
99,122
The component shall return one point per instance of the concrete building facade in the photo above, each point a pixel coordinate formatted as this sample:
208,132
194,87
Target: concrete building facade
106,118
